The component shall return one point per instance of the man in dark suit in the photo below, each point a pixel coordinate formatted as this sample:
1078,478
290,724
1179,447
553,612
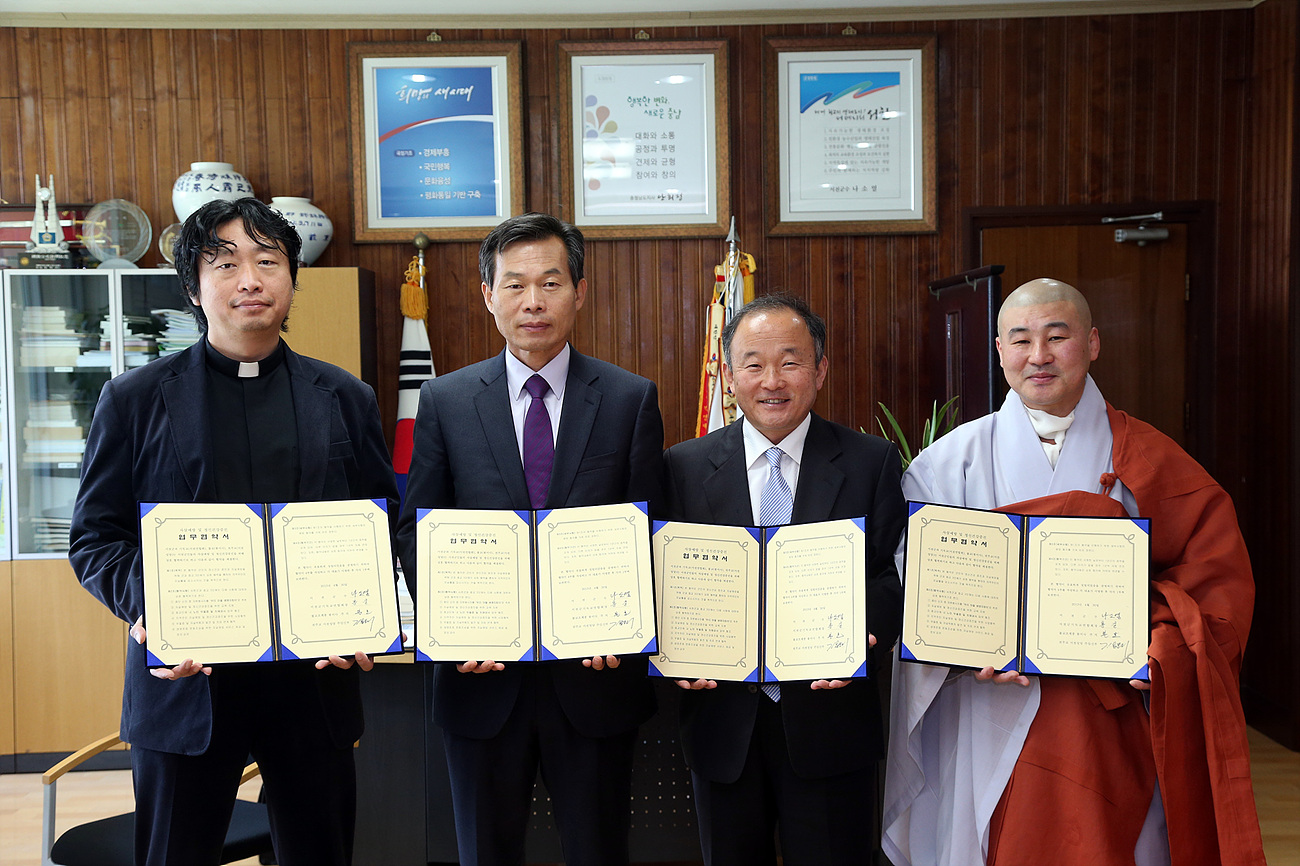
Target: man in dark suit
238,417
800,756
484,438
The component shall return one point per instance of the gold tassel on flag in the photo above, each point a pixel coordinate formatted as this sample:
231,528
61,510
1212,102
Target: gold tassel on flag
415,300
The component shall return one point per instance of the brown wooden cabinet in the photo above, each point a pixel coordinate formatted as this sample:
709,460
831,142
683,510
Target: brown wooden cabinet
333,318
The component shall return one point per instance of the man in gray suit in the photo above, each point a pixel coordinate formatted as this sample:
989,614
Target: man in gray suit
801,758
538,426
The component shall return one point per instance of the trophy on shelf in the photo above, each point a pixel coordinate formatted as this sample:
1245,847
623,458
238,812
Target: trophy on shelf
117,233
47,247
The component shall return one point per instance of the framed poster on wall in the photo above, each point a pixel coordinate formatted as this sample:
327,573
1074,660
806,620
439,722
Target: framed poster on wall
850,135
437,139
644,138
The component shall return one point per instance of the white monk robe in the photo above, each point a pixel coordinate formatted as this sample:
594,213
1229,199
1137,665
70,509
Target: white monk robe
954,741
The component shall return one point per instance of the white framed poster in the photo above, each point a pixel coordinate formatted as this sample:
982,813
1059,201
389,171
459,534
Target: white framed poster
850,135
644,138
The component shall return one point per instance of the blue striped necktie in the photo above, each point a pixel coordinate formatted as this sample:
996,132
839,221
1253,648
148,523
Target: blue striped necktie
774,508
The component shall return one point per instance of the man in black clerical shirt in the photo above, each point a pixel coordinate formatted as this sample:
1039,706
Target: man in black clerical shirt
238,417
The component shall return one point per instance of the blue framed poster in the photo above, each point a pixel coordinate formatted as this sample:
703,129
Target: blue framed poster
436,139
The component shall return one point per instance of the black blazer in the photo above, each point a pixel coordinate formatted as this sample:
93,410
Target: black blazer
843,474
465,455
150,441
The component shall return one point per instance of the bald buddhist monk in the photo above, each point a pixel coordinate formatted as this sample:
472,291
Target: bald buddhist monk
999,768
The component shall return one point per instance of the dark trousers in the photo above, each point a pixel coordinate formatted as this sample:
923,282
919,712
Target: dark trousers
273,713
589,778
823,822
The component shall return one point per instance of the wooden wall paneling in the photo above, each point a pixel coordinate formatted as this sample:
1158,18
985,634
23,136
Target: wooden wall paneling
838,307
1271,691
118,140
53,83
1030,92
30,143
635,327
7,668
1008,124
8,64
685,273
1095,121
71,633
987,131
71,107
1148,103
1286,621
1236,244
1044,111
1070,117
205,111
1187,98
11,165
1054,148
1126,89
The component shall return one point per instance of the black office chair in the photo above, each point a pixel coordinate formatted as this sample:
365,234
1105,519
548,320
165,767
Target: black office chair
111,841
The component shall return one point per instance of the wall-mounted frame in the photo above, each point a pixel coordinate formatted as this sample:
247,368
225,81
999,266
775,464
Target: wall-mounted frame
644,138
849,134
437,139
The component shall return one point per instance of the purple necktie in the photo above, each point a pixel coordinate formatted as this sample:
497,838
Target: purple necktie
539,447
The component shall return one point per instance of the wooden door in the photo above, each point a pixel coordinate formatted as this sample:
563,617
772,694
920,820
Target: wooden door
1138,301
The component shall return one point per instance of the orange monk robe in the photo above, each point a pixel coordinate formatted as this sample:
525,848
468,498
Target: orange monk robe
1090,754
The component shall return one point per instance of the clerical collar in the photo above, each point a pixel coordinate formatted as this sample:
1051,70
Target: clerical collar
243,369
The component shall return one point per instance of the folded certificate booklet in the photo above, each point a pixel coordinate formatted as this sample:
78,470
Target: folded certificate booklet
761,604
533,586
1037,595
237,582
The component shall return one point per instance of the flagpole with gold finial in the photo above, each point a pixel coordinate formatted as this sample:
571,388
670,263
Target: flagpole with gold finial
732,288
415,362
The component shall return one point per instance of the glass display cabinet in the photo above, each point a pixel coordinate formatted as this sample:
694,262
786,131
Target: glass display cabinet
67,333
63,334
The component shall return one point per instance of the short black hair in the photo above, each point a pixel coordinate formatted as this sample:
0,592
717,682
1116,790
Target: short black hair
198,239
531,227
779,301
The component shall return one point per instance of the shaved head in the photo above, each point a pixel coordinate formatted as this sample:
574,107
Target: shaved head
1044,291
1046,342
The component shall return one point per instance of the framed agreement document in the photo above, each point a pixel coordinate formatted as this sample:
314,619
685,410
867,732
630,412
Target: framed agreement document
850,135
644,138
533,586
237,582
437,140
1037,595
761,604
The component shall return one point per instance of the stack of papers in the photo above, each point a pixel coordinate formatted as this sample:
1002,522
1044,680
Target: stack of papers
179,330
46,340
50,529
52,433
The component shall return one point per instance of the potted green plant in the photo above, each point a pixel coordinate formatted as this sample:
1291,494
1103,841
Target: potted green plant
942,419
